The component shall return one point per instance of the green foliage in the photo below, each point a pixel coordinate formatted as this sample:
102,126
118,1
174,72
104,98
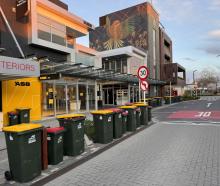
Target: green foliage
90,129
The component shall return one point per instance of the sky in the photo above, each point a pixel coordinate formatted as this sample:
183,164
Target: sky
193,25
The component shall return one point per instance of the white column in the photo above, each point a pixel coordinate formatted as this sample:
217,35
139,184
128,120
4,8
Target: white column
96,97
87,96
77,95
129,92
67,111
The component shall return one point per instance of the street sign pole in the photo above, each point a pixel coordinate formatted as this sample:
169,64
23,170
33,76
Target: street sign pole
139,90
142,74
170,92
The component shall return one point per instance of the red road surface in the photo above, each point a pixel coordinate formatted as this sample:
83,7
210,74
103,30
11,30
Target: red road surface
196,115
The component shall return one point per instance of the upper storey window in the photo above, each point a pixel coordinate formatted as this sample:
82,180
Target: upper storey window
52,31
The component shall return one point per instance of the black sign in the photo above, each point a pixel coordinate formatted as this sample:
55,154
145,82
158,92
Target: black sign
21,8
49,77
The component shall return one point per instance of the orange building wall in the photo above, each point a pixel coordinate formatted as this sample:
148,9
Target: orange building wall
21,96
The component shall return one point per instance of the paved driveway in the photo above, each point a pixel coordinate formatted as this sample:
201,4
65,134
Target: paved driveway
168,153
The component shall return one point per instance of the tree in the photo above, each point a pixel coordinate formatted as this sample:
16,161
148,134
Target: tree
207,77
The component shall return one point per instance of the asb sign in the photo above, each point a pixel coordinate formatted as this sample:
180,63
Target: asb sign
18,67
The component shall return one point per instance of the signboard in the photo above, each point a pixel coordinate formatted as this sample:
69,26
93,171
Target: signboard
15,67
144,85
49,77
21,8
143,73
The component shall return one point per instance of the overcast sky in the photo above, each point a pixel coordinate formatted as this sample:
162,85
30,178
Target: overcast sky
193,25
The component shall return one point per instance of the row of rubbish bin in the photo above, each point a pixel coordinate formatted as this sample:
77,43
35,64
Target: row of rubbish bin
21,115
112,123
24,145
24,141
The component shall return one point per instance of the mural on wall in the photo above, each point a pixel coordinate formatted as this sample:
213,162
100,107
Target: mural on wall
123,28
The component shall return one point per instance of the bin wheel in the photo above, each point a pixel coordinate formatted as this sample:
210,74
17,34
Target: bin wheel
8,176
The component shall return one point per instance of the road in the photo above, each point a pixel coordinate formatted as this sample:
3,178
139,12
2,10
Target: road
181,149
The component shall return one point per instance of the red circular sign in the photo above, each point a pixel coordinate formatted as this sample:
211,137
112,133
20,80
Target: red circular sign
143,73
144,85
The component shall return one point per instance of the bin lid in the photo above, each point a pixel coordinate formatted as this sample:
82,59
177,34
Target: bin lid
141,104
116,110
169,96
124,113
102,112
128,107
23,108
55,129
21,127
67,116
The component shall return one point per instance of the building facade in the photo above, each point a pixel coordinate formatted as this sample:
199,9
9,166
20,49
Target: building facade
42,32
172,73
137,26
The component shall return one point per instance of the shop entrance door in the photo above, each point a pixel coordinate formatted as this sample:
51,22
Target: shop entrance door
1,114
109,96
61,99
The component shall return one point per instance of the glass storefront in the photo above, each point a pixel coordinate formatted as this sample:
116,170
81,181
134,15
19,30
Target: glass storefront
71,96
47,100
61,99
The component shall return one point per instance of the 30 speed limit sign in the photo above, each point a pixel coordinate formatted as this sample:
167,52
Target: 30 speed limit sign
143,73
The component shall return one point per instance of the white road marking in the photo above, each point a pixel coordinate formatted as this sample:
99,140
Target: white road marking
208,105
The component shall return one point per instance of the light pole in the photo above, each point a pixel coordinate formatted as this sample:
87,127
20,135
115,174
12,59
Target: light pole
194,76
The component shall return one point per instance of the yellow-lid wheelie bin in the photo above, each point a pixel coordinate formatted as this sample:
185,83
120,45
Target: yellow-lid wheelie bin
131,124
144,112
103,121
74,134
24,151
117,122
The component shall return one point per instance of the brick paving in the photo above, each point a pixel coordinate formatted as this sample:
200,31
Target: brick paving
162,155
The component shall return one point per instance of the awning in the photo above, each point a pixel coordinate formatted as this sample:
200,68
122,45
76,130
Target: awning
14,68
88,72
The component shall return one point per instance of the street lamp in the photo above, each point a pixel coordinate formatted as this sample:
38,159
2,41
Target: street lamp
194,76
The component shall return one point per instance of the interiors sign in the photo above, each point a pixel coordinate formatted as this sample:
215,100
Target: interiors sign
18,67
21,8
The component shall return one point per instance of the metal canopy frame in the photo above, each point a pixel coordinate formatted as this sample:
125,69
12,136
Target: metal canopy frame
82,71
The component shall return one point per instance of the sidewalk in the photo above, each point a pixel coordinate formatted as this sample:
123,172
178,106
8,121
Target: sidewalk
69,161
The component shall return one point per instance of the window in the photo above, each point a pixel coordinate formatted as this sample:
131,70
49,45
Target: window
124,66
116,65
52,31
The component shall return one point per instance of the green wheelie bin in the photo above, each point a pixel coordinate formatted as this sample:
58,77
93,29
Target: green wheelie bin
124,121
138,117
24,115
132,121
103,121
144,112
117,122
24,151
149,113
55,145
13,118
74,134
158,101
